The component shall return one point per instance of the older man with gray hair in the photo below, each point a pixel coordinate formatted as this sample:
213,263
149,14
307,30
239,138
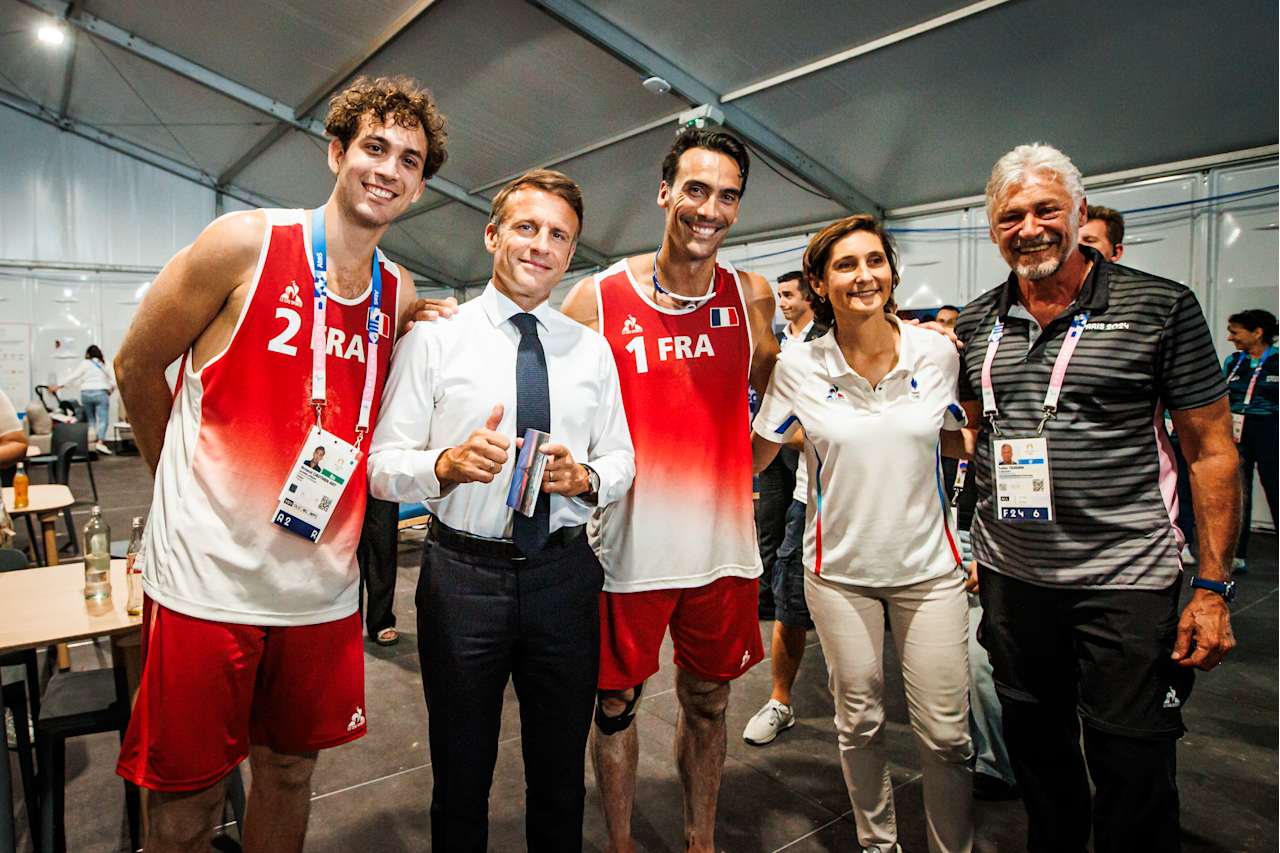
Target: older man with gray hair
1071,363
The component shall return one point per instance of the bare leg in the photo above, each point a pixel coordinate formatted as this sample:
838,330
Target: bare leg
275,819
178,822
700,747
614,758
786,652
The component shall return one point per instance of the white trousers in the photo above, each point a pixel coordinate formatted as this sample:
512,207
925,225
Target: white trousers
929,623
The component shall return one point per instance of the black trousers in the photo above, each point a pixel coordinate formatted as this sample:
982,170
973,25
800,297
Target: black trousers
776,484
1062,657
1257,449
482,622
376,555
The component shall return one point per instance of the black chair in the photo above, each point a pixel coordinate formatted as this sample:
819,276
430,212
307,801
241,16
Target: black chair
62,475
77,434
17,696
77,704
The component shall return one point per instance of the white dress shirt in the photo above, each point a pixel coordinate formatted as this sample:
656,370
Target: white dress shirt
446,376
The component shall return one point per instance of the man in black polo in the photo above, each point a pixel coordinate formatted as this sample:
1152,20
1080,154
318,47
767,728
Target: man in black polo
1075,547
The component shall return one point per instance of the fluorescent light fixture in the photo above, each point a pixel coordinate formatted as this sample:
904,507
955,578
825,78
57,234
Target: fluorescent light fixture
51,34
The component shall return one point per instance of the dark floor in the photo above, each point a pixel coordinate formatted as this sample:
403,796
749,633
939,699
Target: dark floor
373,794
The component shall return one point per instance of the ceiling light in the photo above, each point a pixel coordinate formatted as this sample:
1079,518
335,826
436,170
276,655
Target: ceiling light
51,34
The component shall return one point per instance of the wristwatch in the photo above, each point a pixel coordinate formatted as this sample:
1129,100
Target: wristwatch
594,479
1226,590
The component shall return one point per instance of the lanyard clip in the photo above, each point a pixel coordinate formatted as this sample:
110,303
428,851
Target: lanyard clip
318,405
991,420
1050,412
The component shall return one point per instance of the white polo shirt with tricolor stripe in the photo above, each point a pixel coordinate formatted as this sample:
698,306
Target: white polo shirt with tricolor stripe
878,513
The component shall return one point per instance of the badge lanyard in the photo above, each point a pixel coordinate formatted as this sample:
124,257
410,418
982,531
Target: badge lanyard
1257,371
1050,406
319,331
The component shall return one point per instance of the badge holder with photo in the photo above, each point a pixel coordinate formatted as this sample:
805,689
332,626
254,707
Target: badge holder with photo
325,462
1020,463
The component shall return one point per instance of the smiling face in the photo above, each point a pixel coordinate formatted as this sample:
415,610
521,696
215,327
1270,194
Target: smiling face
1244,339
1036,225
380,173
793,304
532,245
858,279
701,203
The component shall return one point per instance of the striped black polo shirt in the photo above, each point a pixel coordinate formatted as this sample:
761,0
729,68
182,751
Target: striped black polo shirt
1146,348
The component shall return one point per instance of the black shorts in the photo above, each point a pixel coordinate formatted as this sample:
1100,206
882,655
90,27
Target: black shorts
1104,652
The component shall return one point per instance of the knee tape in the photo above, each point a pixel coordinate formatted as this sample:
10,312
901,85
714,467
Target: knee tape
612,725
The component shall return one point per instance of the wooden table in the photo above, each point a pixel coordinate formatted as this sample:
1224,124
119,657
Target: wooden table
45,502
46,606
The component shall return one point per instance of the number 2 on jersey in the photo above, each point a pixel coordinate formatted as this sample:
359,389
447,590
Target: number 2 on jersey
293,322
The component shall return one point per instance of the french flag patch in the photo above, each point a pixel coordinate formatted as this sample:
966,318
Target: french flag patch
724,317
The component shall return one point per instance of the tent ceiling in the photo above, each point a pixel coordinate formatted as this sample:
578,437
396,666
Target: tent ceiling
912,120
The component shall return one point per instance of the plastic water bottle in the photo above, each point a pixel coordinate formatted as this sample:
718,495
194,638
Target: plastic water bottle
21,485
97,557
133,568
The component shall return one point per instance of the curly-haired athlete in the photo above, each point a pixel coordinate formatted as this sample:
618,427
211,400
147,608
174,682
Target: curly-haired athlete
251,633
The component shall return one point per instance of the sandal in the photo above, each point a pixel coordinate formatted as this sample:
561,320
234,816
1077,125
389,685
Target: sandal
387,637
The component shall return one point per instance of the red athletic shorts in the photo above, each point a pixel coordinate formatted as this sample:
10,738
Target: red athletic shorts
209,689
714,628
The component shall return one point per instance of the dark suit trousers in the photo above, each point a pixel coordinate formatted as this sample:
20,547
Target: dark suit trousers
376,555
482,621
776,483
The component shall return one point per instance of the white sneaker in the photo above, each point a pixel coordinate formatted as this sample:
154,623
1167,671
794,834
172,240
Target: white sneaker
1186,556
768,722
102,448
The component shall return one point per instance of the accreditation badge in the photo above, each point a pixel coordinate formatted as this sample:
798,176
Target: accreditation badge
315,483
1237,426
1021,475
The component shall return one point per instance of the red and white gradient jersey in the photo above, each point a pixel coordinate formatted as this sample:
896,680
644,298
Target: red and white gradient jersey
688,519
235,429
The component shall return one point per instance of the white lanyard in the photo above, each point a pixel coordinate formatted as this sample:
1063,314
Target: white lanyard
320,334
989,409
1257,371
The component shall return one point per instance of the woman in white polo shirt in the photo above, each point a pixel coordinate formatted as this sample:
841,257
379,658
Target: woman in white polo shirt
876,399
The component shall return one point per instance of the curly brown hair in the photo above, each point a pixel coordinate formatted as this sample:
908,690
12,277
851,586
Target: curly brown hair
400,99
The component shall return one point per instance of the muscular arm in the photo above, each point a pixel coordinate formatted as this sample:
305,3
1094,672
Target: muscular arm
760,314
580,304
186,298
1205,436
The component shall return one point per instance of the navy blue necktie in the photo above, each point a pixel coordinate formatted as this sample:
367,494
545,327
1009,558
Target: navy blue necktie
533,411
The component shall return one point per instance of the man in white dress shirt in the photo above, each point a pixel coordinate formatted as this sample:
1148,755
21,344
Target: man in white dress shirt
503,595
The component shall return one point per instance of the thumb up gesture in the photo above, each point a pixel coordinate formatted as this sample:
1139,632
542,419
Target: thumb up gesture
479,458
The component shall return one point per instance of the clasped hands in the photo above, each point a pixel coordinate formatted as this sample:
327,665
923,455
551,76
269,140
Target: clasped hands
484,453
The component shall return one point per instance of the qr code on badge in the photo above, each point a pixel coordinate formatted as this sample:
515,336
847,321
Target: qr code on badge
1037,485
325,503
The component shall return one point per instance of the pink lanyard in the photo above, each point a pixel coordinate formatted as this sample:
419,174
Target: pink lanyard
989,409
319,330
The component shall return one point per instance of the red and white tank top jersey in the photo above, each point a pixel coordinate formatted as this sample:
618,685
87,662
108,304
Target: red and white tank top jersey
688,519
236,427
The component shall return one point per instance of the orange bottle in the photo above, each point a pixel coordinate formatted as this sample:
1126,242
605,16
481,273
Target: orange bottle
20,485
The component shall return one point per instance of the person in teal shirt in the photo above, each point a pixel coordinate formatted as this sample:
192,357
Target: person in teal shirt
1253,386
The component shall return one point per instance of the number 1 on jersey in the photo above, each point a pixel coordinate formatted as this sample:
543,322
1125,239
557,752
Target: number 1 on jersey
636,348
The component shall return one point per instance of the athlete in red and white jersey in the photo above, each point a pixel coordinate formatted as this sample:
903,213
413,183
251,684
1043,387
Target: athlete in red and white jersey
680,550
267,618
683,373
231,433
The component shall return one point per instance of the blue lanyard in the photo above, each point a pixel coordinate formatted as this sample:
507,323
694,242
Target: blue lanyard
319,331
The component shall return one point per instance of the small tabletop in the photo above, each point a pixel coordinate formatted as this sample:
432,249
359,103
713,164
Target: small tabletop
32,450
43,606
41,498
